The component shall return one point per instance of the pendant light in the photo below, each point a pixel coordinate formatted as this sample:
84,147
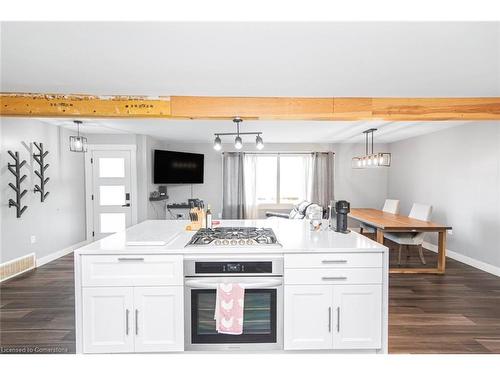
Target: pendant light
238,141
371,159
78,143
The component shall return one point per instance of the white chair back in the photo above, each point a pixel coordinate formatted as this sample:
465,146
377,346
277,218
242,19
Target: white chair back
391,206
421,211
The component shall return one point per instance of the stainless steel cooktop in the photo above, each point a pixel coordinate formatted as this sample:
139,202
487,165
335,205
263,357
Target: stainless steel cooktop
234,236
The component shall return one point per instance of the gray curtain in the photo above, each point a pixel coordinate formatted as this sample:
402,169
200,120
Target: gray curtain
321,178
233,194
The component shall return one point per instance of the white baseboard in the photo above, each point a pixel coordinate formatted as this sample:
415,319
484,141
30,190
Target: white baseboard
49,258
465,259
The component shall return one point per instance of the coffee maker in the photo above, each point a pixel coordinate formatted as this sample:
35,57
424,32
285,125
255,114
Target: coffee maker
342,208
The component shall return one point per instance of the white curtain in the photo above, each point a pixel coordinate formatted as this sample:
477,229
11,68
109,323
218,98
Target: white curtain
250,186
233,201
320,178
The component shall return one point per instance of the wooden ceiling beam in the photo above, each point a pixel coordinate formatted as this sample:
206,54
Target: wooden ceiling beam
436,109
55,105
258,108
262,108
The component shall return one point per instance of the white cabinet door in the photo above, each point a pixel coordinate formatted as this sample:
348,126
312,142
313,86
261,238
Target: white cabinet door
108,320
159,319
308,317
358,317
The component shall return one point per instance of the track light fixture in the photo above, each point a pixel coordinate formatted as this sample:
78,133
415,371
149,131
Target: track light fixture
238,141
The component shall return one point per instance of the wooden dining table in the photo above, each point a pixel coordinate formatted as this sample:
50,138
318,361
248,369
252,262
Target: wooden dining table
385,222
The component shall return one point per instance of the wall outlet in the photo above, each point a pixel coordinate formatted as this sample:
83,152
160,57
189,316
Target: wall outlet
449,231
32,239
219,215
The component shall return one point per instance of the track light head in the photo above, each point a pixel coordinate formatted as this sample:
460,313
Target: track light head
238,143
259,142
217,143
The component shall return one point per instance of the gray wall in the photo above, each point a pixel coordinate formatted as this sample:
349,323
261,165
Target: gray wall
57,223
360,187
457,171
367,188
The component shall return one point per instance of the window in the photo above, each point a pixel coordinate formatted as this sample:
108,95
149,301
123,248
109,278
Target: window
281,179
266,169
111,167
293,178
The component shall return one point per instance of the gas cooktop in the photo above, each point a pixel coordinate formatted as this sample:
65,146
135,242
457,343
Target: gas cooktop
234,236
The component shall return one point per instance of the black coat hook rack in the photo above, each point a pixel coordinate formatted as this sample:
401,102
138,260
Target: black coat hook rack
15,169
39,158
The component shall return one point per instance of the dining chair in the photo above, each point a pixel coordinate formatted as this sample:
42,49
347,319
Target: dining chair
420,212
391,206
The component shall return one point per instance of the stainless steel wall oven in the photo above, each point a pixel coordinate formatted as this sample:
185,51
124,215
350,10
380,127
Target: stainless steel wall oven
262,278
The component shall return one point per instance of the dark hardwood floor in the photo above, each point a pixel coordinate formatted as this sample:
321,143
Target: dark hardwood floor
458,312
455,313
37,310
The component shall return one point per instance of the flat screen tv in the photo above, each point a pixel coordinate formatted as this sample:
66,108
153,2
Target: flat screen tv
177,167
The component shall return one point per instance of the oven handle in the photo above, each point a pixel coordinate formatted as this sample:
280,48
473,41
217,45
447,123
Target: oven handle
214,284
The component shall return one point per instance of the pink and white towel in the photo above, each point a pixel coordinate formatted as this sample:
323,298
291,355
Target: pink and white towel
229,309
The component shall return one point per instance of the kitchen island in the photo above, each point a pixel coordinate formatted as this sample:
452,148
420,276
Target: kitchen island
144,290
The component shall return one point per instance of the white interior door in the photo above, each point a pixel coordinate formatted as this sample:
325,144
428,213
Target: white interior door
112,191
108,320
159,319
358,317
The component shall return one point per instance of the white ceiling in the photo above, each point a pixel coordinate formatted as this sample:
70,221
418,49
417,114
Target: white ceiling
252,59
197,131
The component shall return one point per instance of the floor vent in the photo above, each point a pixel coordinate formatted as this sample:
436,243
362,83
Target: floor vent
17,266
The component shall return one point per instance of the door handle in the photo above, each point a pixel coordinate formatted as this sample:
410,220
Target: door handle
338,319
329,319
326,278
126,321
334,261
136,321
126,205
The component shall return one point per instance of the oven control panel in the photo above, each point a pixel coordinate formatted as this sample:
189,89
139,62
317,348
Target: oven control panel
234,267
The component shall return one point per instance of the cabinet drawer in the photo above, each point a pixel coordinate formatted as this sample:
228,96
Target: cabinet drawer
333,276
341,260
131,270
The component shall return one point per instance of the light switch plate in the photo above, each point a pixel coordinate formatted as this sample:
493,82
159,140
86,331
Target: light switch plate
32,239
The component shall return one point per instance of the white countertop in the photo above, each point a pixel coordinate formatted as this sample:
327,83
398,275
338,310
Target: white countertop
294,236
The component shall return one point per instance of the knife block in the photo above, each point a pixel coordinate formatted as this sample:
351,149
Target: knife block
197,216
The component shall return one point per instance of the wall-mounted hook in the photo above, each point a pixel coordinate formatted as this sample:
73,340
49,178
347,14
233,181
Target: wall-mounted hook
39,158
15,169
